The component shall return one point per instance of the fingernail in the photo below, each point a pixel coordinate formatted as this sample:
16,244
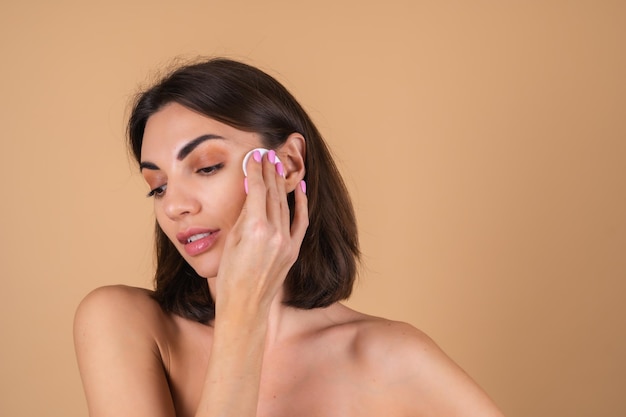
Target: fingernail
271,156
280,169
257,156
245,184
303,186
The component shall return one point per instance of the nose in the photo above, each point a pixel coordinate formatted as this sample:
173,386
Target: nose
179,202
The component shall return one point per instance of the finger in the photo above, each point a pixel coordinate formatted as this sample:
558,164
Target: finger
281,188
273,185
256,199
301,213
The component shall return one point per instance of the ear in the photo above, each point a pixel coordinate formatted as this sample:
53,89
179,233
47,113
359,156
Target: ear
292,154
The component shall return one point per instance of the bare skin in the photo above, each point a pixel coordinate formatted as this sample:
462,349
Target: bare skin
258,357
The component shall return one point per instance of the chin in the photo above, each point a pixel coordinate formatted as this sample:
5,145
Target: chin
206,264
205,271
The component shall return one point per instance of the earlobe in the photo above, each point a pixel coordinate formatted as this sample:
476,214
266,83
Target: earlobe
293,155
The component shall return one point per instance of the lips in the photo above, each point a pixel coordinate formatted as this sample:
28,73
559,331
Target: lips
197,241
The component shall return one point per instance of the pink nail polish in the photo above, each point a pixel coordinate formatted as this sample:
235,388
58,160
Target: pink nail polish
303,186
271,156
245,184
280,169
257,156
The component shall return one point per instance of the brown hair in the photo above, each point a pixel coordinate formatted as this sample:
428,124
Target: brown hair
248,99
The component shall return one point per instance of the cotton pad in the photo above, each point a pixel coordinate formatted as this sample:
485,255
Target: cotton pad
262,151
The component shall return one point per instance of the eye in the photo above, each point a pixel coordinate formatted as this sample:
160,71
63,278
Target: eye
157,192
210,170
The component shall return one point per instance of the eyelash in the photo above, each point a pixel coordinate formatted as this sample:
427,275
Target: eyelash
206,171
210,170
157,192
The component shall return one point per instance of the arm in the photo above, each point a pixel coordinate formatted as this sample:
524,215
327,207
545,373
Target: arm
450,390
259,252
118,357
431,384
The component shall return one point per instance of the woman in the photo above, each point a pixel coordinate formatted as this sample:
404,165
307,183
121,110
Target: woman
245,319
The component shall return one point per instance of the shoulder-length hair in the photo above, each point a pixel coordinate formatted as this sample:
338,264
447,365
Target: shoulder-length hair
248,99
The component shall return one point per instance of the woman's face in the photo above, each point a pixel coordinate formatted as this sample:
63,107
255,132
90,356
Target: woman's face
192,165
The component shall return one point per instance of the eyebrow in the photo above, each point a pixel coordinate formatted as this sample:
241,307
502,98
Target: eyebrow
188,148
184,151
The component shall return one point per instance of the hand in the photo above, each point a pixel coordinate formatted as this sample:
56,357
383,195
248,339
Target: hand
263,245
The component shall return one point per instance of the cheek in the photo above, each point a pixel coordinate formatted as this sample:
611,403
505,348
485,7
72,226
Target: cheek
222,200
164,222
232,202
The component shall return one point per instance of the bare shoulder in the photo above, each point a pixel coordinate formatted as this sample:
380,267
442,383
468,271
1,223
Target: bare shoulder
117,295
118,337
420,379
120,299
126,315
372,329
119,307
393,349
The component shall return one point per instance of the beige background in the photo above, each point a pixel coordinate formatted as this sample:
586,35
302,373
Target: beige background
484,144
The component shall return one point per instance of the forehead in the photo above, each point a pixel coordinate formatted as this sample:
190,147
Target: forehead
173,126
